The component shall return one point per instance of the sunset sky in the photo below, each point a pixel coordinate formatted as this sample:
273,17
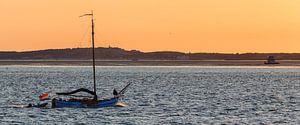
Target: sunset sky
228,26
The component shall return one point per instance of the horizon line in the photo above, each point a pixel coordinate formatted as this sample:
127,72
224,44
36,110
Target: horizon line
151,51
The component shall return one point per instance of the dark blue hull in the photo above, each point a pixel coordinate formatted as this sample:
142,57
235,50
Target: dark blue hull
83,104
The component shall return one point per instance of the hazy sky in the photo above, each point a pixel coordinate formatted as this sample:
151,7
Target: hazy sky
152,25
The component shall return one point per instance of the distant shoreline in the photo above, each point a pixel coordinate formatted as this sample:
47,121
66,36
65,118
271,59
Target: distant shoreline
115,53
148,62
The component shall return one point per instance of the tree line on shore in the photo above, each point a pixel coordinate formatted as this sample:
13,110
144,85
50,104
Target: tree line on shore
114,53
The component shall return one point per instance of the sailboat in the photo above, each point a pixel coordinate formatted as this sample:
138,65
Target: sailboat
89,101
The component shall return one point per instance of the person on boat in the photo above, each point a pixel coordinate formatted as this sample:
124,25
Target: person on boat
115,93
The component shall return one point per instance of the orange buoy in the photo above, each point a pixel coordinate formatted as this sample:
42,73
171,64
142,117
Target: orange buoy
44,96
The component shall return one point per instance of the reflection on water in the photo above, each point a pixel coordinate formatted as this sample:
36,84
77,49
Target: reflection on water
159,95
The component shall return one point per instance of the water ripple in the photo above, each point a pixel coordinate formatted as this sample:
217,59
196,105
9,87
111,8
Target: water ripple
159,95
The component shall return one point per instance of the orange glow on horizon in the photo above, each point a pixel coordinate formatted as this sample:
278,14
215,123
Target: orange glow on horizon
230,26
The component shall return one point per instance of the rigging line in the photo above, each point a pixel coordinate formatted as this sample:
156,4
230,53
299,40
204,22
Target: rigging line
96,36
103,43
96,40
84,35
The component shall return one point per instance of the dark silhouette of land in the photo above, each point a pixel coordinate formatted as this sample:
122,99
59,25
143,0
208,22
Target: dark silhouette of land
118,56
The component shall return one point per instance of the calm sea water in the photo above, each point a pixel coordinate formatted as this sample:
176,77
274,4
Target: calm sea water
159,95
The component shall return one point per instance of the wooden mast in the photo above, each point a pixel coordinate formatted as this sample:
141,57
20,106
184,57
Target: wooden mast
93,50
94,67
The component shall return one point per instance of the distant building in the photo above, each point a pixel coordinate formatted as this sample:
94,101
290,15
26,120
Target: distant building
271,60
135,59
184,57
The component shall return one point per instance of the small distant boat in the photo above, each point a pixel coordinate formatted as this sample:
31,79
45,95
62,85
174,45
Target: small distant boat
91,101
271,60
